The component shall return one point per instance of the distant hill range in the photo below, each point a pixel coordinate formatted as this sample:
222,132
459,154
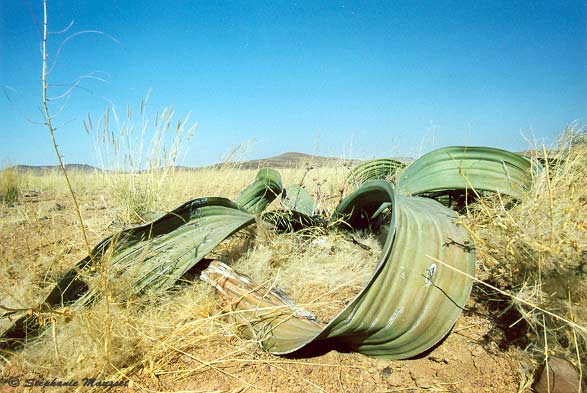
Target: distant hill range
286,160
51,168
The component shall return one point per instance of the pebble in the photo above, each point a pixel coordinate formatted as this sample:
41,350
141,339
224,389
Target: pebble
386,372
57,207
563,377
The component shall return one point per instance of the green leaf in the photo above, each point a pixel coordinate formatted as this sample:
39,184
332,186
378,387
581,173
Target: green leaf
259,194
377,169
156,264
295,198
468,169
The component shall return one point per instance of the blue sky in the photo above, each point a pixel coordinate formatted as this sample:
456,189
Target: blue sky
336,78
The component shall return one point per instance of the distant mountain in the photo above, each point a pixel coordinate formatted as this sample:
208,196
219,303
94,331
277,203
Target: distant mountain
288,160
51,168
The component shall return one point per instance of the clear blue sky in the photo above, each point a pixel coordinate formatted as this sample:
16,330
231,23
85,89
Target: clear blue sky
370,78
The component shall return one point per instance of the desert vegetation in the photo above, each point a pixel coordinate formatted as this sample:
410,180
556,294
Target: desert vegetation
527,304
87,294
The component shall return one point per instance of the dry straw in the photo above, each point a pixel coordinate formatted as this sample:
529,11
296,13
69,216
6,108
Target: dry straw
536,252
139,155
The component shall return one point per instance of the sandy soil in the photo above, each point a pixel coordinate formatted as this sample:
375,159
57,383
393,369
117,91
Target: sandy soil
463,362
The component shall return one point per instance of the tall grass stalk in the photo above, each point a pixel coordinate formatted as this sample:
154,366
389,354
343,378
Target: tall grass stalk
138,154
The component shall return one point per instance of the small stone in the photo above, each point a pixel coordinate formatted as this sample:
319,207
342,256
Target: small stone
437,360
308,370
31,194
386,372
562,377
57,207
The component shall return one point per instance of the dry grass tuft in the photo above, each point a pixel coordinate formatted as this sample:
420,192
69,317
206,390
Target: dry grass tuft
140,171
320,272
10,185
141,332
538,251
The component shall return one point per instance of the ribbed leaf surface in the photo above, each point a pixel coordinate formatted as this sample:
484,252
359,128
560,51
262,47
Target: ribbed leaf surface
159,262
258,195
377,169
410,302
468,168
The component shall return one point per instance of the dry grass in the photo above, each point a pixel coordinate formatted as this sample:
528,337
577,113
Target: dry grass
10,186
537,250
320,272
138,154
